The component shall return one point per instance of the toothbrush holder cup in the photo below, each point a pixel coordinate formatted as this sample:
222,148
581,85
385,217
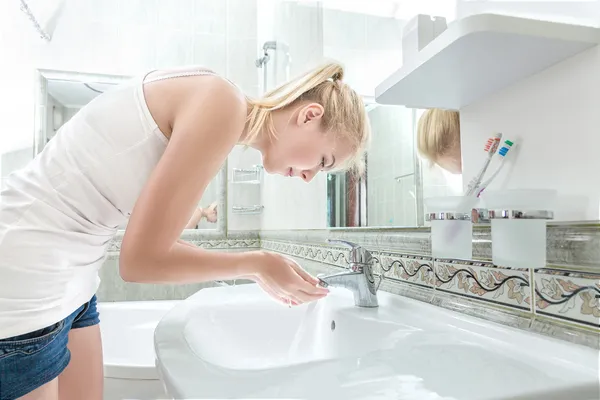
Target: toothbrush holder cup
518,220
451,226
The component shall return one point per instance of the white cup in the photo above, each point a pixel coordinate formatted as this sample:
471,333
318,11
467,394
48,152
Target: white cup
518,218
451,226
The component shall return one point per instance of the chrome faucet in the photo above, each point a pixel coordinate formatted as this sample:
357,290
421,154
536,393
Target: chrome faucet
358,279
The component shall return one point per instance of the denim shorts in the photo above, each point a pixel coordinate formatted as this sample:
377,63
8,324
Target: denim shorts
31,360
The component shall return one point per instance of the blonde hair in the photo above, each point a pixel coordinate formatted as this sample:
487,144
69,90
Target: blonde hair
344,110
438,132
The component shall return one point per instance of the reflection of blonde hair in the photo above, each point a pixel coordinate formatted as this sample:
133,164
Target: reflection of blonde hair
344,110
438,132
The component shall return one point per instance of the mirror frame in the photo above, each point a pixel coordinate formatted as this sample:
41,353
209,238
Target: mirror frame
42,76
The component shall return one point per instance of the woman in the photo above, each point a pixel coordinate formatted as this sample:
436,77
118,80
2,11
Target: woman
210,213
146,152
438,139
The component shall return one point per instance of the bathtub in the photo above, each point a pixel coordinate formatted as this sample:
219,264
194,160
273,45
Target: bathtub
128,347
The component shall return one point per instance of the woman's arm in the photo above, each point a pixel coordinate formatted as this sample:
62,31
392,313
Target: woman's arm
208,121
195,220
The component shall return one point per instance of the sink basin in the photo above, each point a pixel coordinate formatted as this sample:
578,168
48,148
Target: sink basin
235,342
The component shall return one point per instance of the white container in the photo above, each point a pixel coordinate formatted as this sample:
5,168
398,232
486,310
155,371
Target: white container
451,226
418,32
128,347
518,219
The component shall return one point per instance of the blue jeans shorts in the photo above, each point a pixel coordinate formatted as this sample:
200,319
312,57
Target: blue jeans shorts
31,360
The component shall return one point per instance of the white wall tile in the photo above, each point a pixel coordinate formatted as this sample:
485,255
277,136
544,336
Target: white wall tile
390,155
293,204
138,48
210,16
242,20
106,11
383,33
134,12
210,51
175,14
344,29
174,48
241,69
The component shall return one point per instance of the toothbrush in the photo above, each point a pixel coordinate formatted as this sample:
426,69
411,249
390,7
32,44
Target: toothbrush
491,147
501,153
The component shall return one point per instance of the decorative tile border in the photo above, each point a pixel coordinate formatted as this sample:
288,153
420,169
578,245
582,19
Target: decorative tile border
411,269
405,240
479,289
568,296
485,282
229,244
569,245
560,302
205,239
576,245
207,243
324,254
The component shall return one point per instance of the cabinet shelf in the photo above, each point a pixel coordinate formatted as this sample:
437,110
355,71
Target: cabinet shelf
255,209
250,176
480,55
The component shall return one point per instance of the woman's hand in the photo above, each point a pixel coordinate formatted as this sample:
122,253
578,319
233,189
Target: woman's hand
283,279
210,213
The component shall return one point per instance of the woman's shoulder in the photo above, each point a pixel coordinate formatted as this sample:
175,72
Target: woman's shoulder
184,89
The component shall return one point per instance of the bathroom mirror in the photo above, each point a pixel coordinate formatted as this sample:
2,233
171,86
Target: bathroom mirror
391,192
61,94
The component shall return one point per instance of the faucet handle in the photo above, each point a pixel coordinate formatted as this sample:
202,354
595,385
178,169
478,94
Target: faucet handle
358,254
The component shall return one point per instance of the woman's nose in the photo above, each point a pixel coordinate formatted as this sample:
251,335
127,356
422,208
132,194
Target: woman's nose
307,175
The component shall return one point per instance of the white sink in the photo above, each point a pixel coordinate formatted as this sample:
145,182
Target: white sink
234,342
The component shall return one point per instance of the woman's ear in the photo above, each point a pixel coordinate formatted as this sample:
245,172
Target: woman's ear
310,112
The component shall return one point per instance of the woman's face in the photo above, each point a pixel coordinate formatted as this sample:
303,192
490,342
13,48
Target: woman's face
302,148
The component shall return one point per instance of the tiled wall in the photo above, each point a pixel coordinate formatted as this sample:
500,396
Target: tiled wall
369,45
561,300
290,203
391,202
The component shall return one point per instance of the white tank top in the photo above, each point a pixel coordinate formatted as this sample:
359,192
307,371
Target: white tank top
58,215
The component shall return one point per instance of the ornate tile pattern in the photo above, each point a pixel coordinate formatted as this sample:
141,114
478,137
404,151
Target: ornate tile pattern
337,256
568,296
484,281
214,244
228,244
412,269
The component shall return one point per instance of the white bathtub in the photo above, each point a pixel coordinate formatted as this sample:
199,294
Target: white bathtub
128,347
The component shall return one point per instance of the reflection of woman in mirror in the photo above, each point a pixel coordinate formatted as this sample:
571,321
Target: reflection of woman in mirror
438,139
210,213
149,149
